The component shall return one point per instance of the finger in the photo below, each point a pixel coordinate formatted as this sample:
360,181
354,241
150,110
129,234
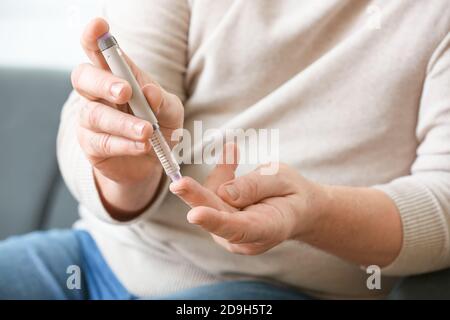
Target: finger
155,97
95,83
103,145
194,194
166,106
104,119
234,227
224,170
253,188
94,30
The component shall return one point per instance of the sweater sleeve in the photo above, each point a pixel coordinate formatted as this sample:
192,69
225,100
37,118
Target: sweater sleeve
423,197
154,34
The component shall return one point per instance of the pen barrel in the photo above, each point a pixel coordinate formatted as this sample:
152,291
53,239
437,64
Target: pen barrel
164,154
138,103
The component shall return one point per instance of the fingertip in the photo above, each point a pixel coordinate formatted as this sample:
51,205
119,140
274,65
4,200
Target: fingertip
182,186
173,187
101,22
146,131
229,193
94,29
193,216
199,215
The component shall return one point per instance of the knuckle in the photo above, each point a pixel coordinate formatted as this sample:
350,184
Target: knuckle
85,142
238,237
98,145
105,144
124,124
179,109
141,147
285,173
93,146
94,110
102,84
76,75
176,100
273,168
285,181
248,189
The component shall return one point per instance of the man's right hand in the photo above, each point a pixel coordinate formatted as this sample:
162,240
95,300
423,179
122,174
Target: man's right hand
116,143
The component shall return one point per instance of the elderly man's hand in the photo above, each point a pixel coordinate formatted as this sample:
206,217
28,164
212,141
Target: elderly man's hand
253,213
116,143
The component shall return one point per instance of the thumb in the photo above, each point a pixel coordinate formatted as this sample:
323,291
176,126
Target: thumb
154,96
225,168
253,188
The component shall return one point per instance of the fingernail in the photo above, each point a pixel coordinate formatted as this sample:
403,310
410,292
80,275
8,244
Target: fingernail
140,145
116,89
232,191
139,128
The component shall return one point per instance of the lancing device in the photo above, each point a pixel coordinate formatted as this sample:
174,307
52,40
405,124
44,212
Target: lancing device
138,103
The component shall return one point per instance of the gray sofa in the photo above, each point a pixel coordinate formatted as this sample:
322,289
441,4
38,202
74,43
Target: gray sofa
32,193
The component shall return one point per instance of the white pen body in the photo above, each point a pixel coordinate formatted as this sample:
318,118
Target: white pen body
138,103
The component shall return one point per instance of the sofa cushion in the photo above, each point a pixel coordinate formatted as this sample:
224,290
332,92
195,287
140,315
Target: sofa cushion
63,210
30,107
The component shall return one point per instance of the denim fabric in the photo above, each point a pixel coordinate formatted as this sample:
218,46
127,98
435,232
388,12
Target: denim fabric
41,265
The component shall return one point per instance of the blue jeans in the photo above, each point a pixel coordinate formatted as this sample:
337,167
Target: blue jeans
66,264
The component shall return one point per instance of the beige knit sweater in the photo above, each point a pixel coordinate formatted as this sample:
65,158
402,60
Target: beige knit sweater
360,93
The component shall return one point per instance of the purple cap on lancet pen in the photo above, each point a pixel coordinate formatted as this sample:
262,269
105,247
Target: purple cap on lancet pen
106,41
175,176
